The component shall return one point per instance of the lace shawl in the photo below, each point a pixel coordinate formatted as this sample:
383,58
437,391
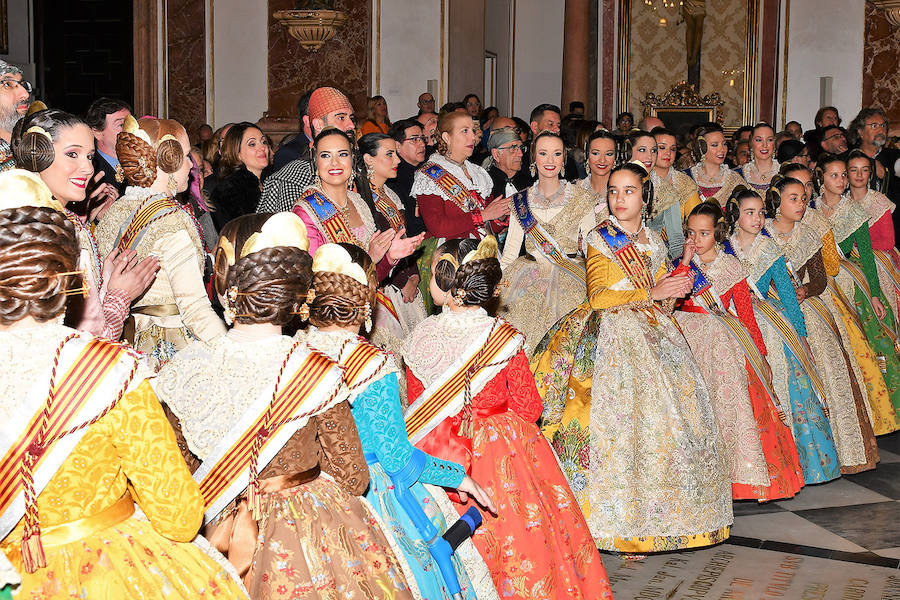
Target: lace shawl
480,180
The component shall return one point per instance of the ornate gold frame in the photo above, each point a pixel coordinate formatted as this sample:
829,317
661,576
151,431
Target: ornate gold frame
750,104
683,98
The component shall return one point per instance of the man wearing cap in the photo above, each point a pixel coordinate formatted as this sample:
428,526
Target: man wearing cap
505,164
328,107
14,95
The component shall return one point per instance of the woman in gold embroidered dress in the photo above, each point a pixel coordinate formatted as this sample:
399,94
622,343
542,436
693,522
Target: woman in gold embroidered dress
541,291
119,449
312,537
713,177
625,404
154,155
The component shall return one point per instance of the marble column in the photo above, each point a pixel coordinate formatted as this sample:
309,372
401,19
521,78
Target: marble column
576,54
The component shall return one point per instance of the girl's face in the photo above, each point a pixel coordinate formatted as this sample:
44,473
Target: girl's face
601,157
334,161
623,194
793,202
859,170
72,167
460,139
666,151
751,217
805,177
835,178
548,157
762,144
644,150
254,152
715,148
702,230
385,161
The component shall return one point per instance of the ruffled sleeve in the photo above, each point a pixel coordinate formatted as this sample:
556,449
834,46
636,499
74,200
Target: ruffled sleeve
524,398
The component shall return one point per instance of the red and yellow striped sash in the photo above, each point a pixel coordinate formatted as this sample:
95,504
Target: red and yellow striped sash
455,385
382,299
390,212
635,267
292,395
93,364
455,190
362,355
790,337
146,214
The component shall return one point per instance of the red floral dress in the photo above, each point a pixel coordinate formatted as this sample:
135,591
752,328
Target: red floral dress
538,545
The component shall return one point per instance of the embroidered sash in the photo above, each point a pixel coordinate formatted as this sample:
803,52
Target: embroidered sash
859,278
544,242
455,190
91,375
630,259
309,390
394,217
149,211
325,211
445,397
883,261
705,295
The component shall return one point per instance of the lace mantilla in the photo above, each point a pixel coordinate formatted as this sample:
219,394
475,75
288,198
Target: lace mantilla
876,205
440,339
209,386
664,194
799,245
330,343
698,174
27,354
847,218
585,184
683,184
759,258
558,199
752,174
725,272
480,180
814,218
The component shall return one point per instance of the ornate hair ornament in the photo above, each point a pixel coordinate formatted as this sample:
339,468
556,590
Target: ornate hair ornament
20,188
304,310
332,258
34,107
131,126
449,258
487,248
281,229
40,131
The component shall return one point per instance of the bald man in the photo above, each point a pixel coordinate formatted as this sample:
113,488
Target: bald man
650,123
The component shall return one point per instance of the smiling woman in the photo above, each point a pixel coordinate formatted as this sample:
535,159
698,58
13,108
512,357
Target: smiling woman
245,155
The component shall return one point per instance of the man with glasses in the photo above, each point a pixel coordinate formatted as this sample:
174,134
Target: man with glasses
868,132
327,107
833,139
505,168
14,95
425,103
410,138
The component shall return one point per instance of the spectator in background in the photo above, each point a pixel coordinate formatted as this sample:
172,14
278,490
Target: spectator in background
296,147
377,120
742,134
793,151
450,107
868,132
473,105
794,129
411,143
425,103
624,123
327,107
583,130
105,117
428,121
545,117
827,115
204,133
505,166
14,95
833,139
576,109
245,155
649,123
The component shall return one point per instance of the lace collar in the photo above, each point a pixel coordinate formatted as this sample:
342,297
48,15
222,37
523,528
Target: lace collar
436,342
724,272
759,258
799,245
876,205
752,174
699,175
557,200
478,179
665,195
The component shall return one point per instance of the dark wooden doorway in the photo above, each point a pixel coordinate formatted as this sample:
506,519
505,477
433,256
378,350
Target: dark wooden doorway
84,50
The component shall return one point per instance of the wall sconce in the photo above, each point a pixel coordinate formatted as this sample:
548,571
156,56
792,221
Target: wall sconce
891,10
314,26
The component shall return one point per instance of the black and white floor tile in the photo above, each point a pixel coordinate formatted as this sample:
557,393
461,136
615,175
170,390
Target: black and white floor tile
836,541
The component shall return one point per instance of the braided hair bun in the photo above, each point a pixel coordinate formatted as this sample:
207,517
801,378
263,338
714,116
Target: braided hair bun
140,159
472,283
33,136
340,299
36,244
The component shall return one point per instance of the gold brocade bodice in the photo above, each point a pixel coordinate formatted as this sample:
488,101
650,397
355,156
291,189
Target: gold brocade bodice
608,285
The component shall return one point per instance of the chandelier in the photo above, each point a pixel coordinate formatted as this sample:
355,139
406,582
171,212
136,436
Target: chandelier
657,4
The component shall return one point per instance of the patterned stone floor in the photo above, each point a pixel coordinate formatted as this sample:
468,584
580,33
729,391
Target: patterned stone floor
836,541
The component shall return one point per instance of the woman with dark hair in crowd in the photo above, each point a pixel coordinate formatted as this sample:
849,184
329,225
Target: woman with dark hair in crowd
484,418
762,166
784,329
377,119
713,177
618,379
59,147
582,130
71,481
345,289
665,175
175,310
472,104
269,507
547,282
718,321
603,152
802,245
793,151
246,154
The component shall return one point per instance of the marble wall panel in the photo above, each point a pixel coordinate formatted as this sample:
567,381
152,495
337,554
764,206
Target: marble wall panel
186,62
881,55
